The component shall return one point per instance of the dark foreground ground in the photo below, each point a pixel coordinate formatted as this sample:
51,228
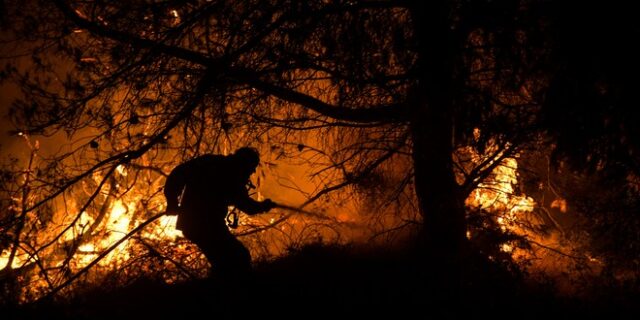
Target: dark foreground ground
336,283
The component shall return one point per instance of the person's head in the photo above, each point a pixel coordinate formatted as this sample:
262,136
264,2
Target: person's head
247,159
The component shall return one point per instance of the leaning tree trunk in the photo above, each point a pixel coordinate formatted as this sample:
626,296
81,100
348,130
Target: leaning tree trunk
440,199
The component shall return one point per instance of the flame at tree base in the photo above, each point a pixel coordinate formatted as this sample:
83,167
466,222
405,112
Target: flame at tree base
543,251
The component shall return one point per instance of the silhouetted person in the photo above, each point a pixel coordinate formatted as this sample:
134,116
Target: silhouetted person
200,192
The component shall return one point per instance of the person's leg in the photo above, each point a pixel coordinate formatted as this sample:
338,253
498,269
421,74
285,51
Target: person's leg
228,256
234,259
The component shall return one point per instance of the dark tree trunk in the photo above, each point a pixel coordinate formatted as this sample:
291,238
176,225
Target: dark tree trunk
441,204
440,199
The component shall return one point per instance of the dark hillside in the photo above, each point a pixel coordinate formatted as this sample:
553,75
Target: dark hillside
329,282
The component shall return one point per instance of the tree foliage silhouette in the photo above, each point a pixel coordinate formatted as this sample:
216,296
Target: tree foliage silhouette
381,84
408,82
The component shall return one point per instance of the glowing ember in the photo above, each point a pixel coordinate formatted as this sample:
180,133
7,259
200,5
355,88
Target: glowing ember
19,260
165,229
561,204
506,247
120,169
176,17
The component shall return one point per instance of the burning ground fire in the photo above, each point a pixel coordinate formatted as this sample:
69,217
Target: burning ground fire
102,241
117,224
496,196
542,250
96,236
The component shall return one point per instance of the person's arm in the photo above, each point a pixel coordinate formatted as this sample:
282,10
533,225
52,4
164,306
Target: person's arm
249,206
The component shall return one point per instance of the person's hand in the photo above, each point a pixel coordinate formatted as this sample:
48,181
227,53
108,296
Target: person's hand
268,204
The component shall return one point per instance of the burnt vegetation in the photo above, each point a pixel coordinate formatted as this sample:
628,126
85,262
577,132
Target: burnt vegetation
489,148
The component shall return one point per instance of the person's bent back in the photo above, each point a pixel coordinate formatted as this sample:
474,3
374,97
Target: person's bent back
200,192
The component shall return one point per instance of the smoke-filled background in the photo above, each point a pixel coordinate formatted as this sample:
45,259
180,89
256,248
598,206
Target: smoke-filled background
473,138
